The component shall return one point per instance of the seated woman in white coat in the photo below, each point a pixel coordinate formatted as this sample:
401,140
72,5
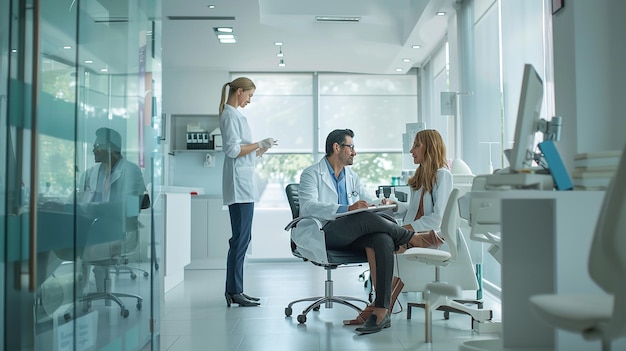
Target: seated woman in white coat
430,188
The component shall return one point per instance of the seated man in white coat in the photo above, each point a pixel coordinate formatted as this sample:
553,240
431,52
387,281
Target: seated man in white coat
328,188
113,192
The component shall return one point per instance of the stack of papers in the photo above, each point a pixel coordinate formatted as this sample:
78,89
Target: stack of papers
594,170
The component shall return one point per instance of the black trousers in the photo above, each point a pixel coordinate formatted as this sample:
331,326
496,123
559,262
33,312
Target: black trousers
367,229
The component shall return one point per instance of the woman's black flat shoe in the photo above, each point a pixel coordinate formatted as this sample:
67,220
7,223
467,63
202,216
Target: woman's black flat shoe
250,297
371,326
240,300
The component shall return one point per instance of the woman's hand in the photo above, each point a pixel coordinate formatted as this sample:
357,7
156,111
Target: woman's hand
261,151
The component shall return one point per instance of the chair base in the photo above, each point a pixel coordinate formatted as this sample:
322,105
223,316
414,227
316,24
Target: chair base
444,303
450,309
111,296
131,271
317,303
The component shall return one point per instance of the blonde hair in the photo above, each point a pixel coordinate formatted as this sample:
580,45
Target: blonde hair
241,82
434,158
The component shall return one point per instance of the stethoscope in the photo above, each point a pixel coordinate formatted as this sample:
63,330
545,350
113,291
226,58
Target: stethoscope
353,194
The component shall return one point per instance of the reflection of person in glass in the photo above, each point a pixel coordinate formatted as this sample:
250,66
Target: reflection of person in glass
108,202
112,189
239,188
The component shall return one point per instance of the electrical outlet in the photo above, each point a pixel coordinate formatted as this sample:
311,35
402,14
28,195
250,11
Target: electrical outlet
209,161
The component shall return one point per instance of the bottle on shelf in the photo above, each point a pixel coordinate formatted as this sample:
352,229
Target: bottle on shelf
392,195
381,196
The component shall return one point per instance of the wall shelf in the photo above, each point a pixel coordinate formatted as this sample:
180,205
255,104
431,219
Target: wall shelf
178,129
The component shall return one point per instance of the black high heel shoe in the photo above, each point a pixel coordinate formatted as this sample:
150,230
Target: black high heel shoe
240,300
250,297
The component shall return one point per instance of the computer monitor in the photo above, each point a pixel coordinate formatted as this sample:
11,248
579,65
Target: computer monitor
528,119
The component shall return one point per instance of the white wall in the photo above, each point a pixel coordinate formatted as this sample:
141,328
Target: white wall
590,75
192,91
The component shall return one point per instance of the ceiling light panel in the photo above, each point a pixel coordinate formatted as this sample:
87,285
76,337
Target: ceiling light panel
225,35
337,18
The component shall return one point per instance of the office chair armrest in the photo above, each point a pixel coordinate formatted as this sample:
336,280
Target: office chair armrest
295,221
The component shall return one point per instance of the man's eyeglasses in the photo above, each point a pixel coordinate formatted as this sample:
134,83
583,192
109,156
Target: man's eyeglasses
351,146
100,146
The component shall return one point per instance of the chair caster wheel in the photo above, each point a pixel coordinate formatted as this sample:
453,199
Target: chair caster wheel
301,319
67,317
133,276
124,313
288,311
446,315
316,308
139,305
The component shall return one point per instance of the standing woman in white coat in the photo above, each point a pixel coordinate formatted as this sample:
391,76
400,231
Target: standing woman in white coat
239,188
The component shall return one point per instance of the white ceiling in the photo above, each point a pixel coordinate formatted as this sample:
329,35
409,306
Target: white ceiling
377,44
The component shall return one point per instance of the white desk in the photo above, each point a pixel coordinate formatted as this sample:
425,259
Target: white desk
177,238
546,237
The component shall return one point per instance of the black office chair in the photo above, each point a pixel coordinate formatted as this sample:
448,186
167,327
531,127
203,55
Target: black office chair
116,252
336,258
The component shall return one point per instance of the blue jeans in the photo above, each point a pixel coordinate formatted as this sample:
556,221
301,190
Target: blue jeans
241,224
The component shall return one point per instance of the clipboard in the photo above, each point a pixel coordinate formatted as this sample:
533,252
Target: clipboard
375,208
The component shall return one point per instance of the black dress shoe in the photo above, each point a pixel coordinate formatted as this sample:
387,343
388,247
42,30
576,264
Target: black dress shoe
250,297
240,300
371,326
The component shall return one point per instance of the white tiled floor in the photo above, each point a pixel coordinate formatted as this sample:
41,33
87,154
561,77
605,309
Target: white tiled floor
195,316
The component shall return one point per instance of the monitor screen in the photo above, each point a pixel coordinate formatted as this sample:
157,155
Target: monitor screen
528,115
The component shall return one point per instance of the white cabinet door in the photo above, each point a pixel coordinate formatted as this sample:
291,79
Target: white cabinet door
210,232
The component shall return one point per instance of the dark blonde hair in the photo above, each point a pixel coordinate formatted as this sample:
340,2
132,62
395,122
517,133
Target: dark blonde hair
241,82
434,158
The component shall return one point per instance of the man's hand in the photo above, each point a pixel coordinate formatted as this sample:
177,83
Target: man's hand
358,204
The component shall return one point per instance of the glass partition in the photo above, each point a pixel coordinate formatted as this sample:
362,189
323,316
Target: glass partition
78,113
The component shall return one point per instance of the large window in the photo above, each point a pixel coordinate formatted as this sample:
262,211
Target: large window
301,109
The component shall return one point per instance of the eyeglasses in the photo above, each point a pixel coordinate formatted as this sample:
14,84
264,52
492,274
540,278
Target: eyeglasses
351,146
100,146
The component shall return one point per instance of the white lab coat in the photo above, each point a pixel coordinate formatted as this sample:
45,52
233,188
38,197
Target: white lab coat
434,204
126,189
238,181
319,201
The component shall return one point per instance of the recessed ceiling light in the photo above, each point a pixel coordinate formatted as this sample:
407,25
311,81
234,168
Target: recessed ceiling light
104,69
398,69
67,47
406,60
337,18
225,35
441,13
416,46
88,62
278,43
13,51
211,6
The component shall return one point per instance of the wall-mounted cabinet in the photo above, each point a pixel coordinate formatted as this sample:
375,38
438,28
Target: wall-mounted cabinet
192,133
